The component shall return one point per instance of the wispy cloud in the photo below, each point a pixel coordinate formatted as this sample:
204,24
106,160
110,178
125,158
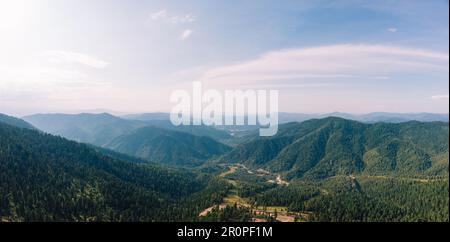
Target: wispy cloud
166,17
335,62
392,30
186,34
74,57
440,97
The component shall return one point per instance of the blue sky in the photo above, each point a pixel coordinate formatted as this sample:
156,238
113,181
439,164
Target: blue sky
350,55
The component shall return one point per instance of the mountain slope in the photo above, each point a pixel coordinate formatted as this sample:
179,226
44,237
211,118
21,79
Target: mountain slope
15,122
198,130
333,146
47,178
100,129
167,146
162,120
97,129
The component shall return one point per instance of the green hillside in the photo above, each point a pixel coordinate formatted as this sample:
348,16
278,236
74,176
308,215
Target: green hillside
168,146
96,129
198,130
15,122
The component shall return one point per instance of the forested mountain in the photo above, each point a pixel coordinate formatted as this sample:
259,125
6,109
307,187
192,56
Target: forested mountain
300,117
333,146
162,120
47,178
100,129
148,116
15,122
198,130
96,129
168,146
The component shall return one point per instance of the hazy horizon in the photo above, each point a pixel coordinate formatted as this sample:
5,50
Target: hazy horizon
324,56
124,113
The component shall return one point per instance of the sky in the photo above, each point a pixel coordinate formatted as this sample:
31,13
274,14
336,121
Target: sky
355,56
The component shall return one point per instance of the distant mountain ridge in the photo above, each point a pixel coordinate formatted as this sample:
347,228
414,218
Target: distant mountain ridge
369,117
291,151
286,117
198,130
100,129
97,129
15,122
148,116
